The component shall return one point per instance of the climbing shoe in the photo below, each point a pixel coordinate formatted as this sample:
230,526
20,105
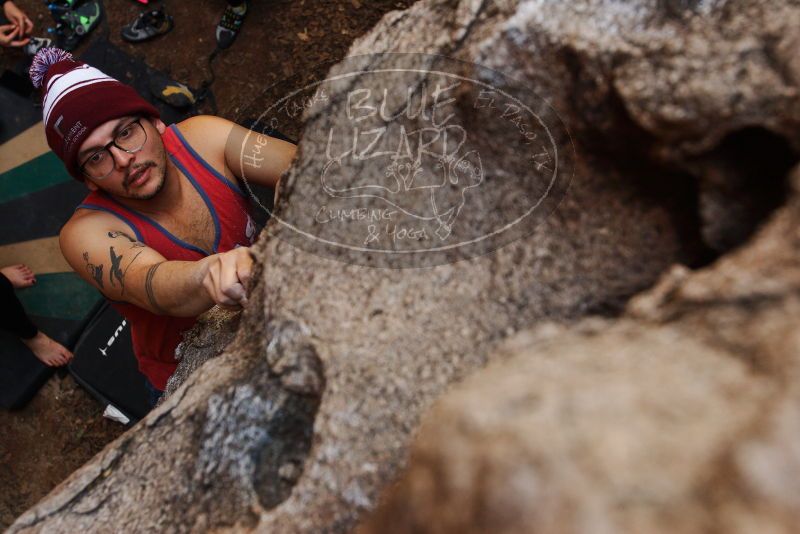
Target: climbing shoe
36,44
229,26
147,25
83,19
73,21
168,90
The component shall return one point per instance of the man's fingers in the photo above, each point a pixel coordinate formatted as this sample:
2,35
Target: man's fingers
243,272
28,27
227,277
236,268
18,44
214,286
236,292
244,265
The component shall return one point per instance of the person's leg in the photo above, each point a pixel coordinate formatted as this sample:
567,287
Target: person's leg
231,22
17,322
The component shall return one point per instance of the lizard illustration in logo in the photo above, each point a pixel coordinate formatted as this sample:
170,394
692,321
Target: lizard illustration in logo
426,177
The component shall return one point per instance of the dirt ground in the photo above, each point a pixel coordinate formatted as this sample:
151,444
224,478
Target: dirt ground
56,433
63,427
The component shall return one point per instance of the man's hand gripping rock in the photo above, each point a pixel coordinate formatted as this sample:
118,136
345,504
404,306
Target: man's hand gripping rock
227,277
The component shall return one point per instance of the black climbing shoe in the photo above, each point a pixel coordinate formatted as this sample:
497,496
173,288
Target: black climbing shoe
168,90
147,25
84,18
229,26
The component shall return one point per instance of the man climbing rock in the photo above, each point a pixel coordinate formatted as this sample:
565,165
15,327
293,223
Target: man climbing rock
164,231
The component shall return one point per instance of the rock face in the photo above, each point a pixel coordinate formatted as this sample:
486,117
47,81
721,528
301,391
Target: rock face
679,417
308,414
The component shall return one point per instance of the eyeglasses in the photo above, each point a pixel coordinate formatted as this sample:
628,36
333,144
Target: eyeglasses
131,139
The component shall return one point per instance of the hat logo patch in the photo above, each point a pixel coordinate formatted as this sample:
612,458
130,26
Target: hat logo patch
57,125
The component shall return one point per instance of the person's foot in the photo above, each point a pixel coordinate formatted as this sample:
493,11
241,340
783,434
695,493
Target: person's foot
229,26
51,353
19,275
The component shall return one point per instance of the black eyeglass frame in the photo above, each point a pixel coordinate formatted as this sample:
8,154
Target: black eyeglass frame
138,122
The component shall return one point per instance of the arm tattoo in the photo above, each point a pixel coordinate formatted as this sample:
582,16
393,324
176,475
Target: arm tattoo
116,233
148,287
95,270
114,271
122,277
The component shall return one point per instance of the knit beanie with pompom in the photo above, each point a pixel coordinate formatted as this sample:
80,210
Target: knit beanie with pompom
76,99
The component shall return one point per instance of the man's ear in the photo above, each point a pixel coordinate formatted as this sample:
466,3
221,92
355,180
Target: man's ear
160,126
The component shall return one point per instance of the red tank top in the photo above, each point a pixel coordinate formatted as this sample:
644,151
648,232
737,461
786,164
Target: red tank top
155,337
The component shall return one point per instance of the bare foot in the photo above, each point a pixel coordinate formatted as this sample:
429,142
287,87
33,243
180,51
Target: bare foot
19,275
51,352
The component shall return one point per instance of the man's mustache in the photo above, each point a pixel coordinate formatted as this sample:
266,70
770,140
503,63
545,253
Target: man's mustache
138,169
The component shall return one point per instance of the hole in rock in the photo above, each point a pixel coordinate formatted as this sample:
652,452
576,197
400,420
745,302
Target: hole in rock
280,465
715,200
257,431
741,182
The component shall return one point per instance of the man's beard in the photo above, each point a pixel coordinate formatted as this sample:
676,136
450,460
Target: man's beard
154,174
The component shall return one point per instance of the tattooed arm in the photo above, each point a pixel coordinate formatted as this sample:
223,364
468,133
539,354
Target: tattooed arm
105,253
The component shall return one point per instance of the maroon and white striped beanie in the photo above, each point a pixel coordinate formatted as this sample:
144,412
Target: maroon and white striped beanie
76,99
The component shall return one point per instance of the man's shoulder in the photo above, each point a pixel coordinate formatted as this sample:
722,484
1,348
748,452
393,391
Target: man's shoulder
205,121
206,132
84,223
209,136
